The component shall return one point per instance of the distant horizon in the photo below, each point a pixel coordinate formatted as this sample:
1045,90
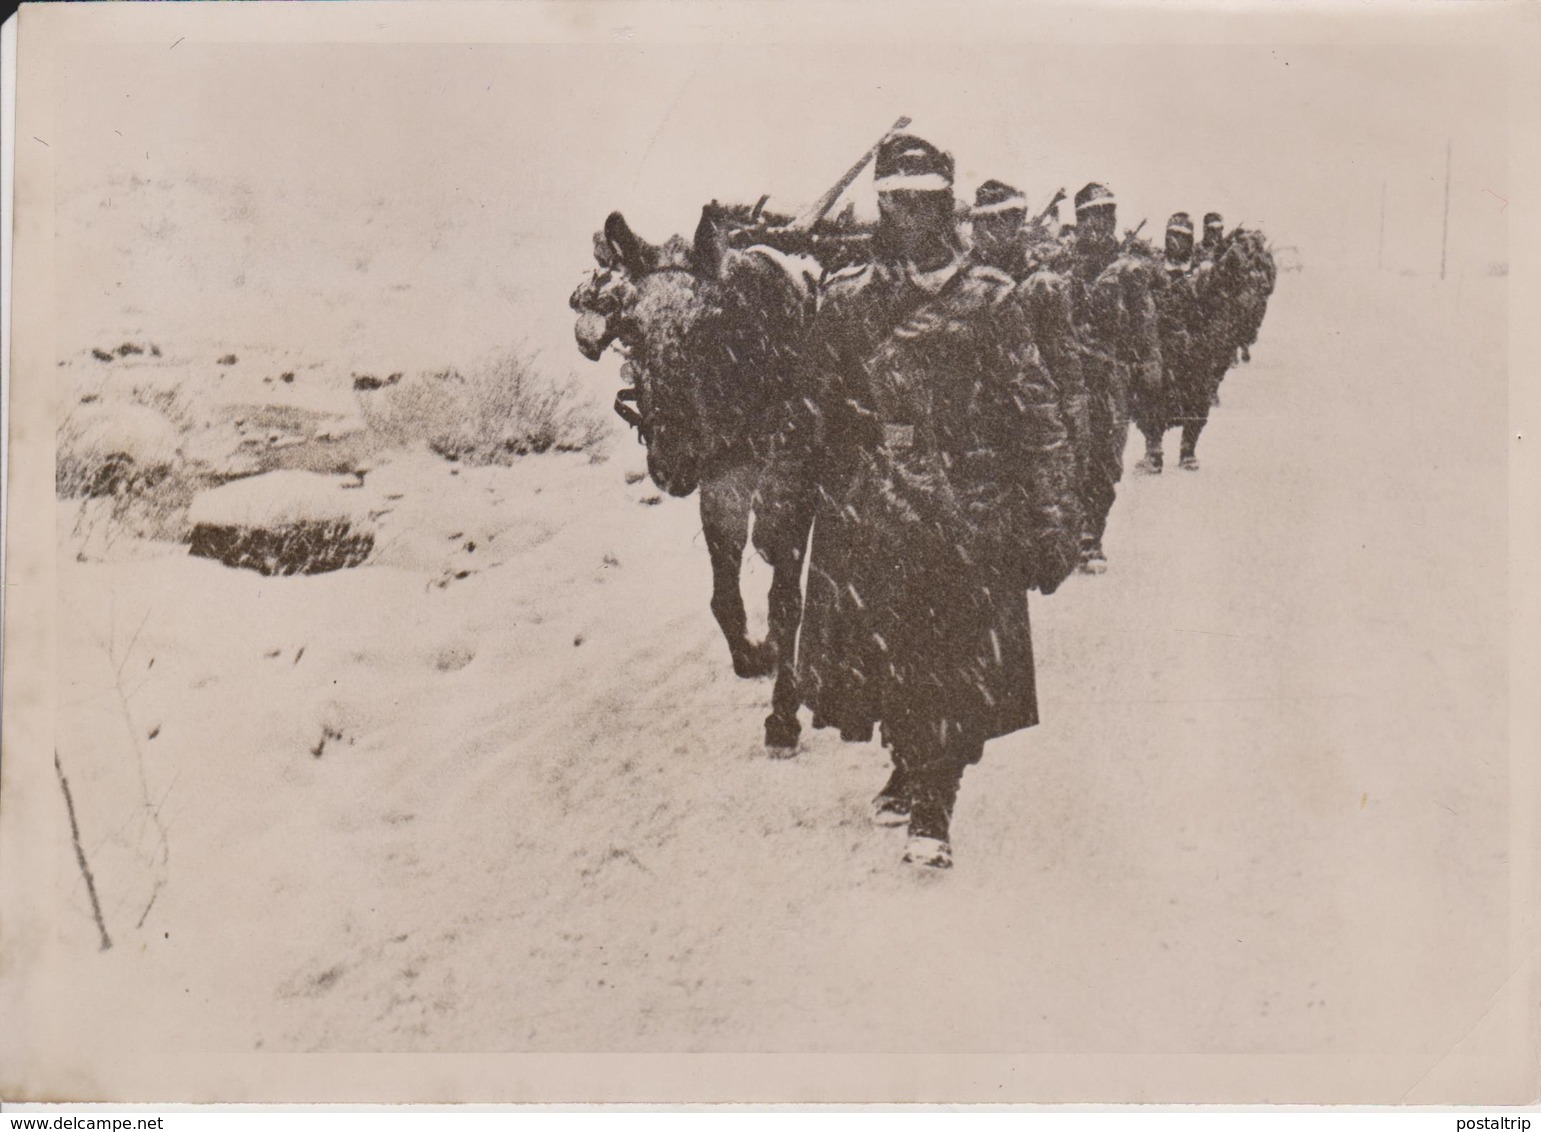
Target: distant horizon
450,193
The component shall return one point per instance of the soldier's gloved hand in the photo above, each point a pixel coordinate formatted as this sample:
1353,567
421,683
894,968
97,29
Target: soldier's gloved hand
1055,561
1149,373
1037,575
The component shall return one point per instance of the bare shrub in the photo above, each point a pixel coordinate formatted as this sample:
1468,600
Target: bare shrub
143,508
170,402
122,461
489,415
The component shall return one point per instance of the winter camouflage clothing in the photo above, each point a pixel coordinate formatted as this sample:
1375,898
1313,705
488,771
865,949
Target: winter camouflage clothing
933,443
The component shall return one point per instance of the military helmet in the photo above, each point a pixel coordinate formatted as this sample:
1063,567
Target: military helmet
995,197
1213,220
1180,222
1094,196
906,162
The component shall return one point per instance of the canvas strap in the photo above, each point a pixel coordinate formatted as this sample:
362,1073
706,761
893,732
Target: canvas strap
893,392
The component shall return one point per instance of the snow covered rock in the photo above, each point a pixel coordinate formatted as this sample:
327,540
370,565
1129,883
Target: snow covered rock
286,522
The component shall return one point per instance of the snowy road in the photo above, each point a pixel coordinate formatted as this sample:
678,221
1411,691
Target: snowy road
1270,793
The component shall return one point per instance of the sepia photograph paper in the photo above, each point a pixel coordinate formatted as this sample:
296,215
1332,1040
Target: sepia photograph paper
772,553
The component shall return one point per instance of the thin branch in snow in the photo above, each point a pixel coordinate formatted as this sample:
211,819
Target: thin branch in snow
149,809
80,854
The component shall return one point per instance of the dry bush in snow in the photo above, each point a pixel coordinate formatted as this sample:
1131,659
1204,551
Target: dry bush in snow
488,415
123,461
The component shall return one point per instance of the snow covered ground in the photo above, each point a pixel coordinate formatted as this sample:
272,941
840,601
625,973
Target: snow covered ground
499,790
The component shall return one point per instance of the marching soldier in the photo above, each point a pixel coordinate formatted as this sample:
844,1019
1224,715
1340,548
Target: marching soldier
999,220
1214,235
1005,239
932,443
1184,396
1204,257
1116,324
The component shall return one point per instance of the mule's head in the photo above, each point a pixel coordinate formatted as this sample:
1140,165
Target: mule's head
600,301
706,329
659,302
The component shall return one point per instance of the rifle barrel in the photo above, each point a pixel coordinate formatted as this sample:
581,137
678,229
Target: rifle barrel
1048,208
822,206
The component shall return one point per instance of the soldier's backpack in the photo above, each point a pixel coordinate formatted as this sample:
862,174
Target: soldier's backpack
1239,286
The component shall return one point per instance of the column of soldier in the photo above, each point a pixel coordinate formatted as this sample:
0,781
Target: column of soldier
962,440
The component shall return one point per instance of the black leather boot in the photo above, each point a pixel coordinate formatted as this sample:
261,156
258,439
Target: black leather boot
892,804
933,793
1190,461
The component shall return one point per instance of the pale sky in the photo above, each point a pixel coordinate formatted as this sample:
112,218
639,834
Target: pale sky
522,150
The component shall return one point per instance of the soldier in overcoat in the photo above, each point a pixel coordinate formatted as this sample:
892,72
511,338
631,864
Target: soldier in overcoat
1209,242
1183,398
931,439
1115,320
1004,239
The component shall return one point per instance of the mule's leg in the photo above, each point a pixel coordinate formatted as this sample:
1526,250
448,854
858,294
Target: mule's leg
786,615
725,522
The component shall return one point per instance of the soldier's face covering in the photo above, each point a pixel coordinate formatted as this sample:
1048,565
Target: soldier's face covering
1179,246
1097,225
998,239
916,225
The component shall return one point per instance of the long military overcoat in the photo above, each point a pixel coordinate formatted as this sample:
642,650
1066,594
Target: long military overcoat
1186,390
932,442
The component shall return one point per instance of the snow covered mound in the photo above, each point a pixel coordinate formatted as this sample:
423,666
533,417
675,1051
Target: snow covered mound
285,522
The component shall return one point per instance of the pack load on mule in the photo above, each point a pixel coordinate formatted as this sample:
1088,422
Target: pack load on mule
833,243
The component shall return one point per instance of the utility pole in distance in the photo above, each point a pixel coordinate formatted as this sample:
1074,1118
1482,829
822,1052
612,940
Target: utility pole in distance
1380,248
1444,239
